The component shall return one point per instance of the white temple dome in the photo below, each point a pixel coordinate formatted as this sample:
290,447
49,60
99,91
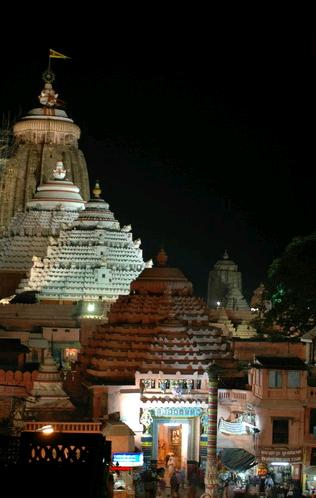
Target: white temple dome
47,124
57,193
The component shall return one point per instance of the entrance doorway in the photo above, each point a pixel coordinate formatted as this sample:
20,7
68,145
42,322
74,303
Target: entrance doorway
173,438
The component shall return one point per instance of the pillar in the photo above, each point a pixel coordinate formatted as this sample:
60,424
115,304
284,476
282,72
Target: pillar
211,478
147,448
146,438
203,450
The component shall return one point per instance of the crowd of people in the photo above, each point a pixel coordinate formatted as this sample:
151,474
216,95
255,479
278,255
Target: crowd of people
262,488
168,482
171,482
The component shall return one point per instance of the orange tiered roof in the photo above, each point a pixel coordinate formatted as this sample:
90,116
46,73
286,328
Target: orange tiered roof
160,326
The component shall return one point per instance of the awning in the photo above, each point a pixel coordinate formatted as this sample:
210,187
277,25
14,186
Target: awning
310,470
117,428
237,459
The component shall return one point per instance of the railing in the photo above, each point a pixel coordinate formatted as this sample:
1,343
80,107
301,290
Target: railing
232,395
94,427
17,378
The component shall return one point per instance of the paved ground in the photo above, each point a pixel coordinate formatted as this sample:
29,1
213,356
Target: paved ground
184,492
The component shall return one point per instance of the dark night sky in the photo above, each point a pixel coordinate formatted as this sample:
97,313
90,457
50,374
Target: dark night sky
201,145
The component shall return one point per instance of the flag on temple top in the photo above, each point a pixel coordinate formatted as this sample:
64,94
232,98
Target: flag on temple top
57,55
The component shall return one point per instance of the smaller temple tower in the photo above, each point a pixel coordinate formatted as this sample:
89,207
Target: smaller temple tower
93,260
225,286
48,399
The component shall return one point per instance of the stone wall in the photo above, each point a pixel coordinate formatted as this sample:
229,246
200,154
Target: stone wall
245,350
26,316
18,378
5,407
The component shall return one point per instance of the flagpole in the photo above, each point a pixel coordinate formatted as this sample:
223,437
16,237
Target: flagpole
49,59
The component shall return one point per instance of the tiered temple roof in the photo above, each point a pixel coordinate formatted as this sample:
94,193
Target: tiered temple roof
55,204
94,259
160,326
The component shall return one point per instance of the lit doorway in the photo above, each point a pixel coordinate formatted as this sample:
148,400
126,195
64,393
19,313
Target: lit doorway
173,438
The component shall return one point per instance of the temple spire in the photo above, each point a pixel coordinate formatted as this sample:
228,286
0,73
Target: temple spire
48,96
226,256
97,190
162,258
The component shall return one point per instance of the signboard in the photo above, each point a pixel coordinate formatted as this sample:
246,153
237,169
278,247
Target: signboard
186,411
128,459
281,455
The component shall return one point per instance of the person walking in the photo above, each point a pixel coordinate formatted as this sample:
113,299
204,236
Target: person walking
150,484
193,479
174,484
171,463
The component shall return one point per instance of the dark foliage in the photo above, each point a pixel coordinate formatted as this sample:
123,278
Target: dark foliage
291,287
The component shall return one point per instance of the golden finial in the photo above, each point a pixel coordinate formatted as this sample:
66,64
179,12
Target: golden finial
97,191
162,258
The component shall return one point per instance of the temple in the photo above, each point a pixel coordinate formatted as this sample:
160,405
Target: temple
95,340
225,287
41,138
153,355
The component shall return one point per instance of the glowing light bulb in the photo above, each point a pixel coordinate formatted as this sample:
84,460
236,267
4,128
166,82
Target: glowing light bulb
46,429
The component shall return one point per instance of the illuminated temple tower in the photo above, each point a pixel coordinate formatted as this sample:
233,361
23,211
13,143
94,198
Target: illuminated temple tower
42,247
149,362
55,205
225,286
93,259
161,325
41,138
